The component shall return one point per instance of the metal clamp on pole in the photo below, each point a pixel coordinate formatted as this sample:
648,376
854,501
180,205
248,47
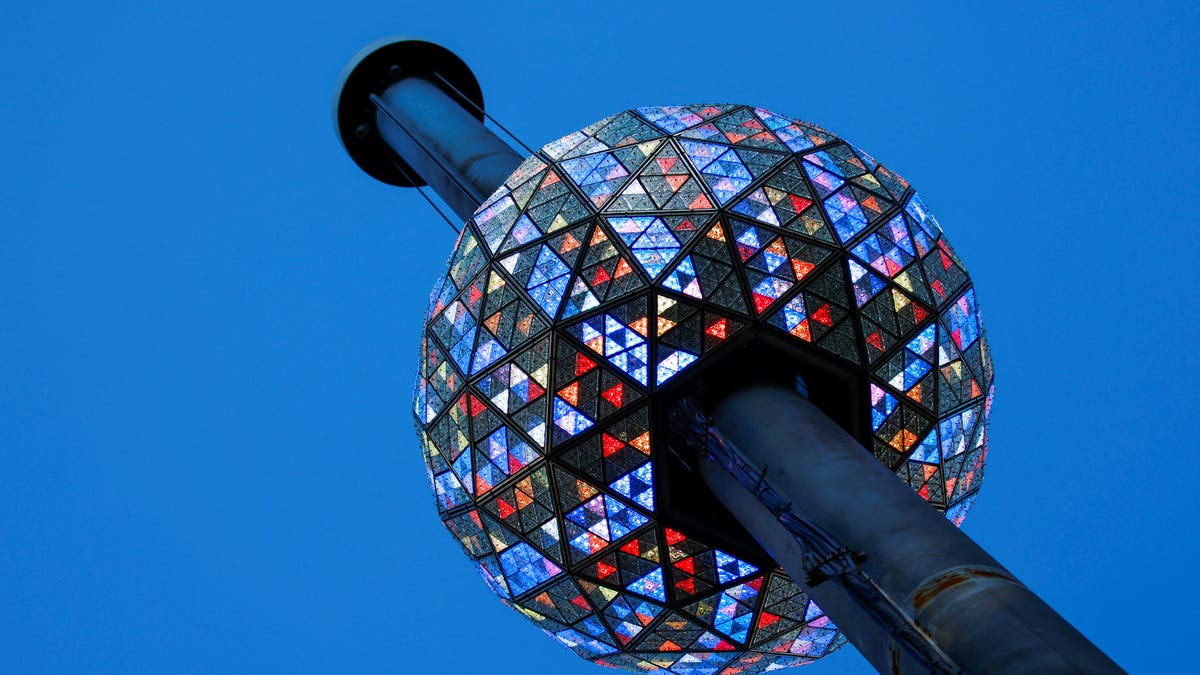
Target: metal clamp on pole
824,559
912,592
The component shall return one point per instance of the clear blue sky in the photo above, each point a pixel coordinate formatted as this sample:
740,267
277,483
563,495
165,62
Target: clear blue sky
211,316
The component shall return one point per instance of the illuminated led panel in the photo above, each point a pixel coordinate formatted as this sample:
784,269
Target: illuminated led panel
613,265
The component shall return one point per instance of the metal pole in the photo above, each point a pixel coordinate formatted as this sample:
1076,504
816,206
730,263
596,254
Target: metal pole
452,151
973,609
410,113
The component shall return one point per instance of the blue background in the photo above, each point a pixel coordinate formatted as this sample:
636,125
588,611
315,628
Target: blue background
211,316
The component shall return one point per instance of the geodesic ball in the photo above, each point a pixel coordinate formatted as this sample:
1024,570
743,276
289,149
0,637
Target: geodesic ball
607,268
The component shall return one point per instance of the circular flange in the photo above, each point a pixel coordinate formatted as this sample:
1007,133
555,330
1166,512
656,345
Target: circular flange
371,71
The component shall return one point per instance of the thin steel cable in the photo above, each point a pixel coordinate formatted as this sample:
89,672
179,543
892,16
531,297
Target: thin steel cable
437,160
408,176
421,190
483,112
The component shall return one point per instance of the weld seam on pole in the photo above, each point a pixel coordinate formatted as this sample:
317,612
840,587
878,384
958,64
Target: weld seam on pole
936,584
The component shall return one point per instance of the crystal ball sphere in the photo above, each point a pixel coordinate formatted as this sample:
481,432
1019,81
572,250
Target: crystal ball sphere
607,270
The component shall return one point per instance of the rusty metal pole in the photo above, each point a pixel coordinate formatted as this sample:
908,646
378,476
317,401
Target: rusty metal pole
973,609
